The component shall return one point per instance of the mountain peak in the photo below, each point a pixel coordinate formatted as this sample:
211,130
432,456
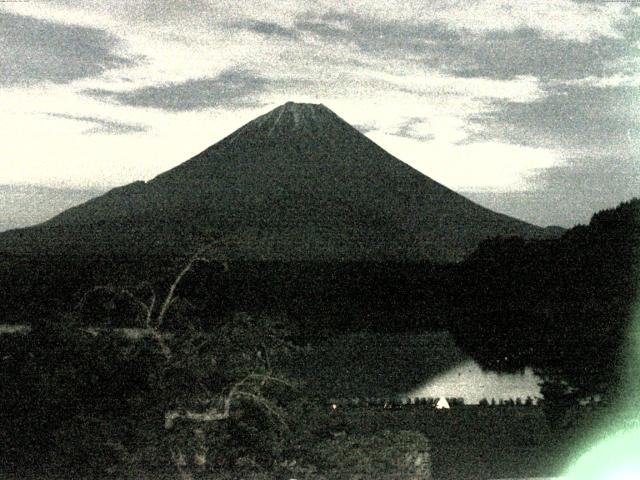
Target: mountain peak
293,117
301,105
300,113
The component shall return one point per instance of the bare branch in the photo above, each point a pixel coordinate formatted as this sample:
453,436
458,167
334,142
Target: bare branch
171,298
197,257
152,305
236,391
266,362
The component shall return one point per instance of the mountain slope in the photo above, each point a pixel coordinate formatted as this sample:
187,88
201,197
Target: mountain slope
297,183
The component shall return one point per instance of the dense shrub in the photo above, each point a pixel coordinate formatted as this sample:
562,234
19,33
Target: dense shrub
400,455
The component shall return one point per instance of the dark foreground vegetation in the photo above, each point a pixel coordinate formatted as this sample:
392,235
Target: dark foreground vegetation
77,404
83,405
207,392
481,442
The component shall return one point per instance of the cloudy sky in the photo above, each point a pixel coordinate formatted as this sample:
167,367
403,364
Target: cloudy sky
530,109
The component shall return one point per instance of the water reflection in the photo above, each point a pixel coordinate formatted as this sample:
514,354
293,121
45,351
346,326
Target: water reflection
470,382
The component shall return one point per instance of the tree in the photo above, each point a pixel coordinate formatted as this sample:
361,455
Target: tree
205,377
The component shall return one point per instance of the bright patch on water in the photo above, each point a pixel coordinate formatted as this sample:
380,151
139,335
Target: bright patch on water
470,382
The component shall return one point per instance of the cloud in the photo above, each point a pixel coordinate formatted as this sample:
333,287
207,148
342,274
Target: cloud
593,182
267,28
598,130
408,129
231,88
24,205
570,193
497,54
565,19
34,51
376,37
102,125
508,54
365,128
556,18
578,118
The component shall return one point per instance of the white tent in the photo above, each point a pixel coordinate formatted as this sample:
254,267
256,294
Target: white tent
442,404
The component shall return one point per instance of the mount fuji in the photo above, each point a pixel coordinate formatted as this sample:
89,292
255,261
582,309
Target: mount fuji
296,184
